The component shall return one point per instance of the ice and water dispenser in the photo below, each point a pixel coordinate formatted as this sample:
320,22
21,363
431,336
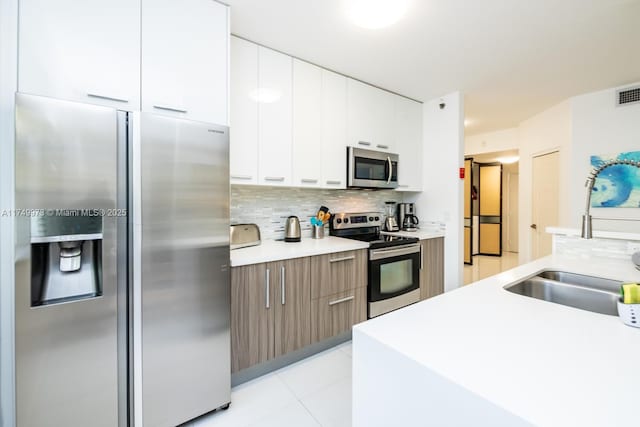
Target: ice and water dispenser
66,258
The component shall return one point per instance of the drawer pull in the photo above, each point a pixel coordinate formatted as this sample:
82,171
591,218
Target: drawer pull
347,258
274,178
338,301
266,289
247,177
166,108
309,181
282,285
334,182
366,143
383,147
108,98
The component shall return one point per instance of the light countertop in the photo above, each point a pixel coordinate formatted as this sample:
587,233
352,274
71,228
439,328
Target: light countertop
545,363
272,250
598,234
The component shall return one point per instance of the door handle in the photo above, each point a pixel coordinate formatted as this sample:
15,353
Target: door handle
341,300
108,98
390,169
282,285
167,108
534,226
266,289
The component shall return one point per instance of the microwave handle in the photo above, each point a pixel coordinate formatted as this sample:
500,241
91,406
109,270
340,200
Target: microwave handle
390,169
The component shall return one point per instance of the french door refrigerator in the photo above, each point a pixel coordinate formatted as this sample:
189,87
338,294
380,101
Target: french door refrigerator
122,277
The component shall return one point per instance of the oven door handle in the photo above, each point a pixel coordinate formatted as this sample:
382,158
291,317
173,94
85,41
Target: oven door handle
376,254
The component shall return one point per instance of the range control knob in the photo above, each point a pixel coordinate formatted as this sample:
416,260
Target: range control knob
370,218
377,218
346,220
339,221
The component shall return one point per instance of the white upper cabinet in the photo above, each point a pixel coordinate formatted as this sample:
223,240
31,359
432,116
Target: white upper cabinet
86,51
185,50
243,148
307,121
274,117
370,114
334,130
408,142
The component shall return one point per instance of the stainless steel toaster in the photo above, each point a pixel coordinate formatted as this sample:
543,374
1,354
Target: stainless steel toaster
243,235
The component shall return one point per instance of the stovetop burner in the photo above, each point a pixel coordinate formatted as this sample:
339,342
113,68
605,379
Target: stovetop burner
365,227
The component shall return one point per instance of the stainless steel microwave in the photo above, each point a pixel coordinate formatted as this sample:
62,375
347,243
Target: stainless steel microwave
371,169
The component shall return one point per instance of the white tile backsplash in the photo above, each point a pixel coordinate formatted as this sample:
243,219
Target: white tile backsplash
269,207
577,247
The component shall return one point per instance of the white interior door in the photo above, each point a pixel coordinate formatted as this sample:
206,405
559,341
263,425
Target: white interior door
545,202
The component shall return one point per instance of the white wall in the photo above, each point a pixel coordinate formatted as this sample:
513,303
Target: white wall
489,142
543,133
8,86
442,198
600,127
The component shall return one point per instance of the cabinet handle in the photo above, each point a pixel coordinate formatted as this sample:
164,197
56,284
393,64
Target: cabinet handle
282,286
365,143
347,258
246,177
274,178
266,288
162,107
338,301
108,98
403,185
334,182
383,147
309,181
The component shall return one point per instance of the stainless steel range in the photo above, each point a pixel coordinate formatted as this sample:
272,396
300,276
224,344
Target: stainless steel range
394,262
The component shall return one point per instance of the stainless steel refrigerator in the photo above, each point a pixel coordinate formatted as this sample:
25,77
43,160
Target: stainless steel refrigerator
122,277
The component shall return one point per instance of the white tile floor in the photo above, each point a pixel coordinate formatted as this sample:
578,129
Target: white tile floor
313,392
485,266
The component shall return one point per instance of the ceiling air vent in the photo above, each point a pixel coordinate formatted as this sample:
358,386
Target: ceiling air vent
630,95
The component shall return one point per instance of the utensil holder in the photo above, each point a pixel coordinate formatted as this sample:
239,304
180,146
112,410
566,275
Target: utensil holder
629,314
317,231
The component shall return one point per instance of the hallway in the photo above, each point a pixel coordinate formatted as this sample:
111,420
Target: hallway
485,266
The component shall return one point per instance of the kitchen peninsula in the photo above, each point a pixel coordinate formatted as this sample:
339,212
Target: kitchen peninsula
483,355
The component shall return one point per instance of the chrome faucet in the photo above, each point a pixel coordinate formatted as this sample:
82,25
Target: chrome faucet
587,229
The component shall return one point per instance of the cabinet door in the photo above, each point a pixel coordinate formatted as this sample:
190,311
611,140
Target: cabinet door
408,134
370,115
307,105
337,313
432,271
184,59
252,315
274,117
334,130
86,51
292,290
338,272
243,148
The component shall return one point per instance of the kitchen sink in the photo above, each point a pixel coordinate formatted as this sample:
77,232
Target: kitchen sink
574,290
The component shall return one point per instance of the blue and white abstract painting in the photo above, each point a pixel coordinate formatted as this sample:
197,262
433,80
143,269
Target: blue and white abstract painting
617,186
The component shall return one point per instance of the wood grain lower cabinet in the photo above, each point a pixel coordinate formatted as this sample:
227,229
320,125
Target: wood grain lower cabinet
252,319
338,272
270,310
335,314
432,267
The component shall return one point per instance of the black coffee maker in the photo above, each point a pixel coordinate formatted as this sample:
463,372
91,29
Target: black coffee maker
407,219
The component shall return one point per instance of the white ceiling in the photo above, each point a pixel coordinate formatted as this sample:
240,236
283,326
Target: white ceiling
511,58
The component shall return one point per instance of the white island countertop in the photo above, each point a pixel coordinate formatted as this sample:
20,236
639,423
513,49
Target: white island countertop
274,250
481,355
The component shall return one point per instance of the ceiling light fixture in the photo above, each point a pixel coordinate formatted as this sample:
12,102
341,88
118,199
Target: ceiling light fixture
376,14
508,160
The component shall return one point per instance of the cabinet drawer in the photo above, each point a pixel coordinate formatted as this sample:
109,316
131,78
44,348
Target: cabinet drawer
338,272
334,314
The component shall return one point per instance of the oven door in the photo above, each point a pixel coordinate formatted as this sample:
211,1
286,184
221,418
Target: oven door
394,278
372,169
